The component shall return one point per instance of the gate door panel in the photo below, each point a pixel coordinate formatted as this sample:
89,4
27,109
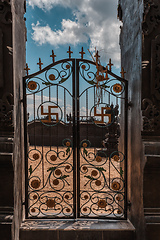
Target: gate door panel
76,142
101,159
50,158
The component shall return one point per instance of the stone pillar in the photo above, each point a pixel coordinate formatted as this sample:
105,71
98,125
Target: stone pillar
12,62
19,49
6,122
151,116
130,12
140,45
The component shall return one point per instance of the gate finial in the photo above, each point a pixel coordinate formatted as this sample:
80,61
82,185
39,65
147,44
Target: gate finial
27,69
82,53
110,64
40,64
97,57
122,72
53,56
70,52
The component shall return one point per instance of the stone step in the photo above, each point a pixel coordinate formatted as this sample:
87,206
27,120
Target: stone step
5,226
5,230
6,144
152,231
152,148
6,159
78,230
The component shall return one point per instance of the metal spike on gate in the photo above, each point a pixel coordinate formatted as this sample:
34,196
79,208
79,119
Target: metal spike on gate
27,69
70,52
40,64
82,53
122,72
53,56
110,64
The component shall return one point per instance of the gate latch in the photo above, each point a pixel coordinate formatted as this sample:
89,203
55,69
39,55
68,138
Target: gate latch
129,205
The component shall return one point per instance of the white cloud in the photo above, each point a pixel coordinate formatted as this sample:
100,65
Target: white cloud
71,33
95,22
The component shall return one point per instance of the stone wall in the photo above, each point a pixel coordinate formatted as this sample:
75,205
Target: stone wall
19,38
40,135
131,14
6,123
151,115
151,69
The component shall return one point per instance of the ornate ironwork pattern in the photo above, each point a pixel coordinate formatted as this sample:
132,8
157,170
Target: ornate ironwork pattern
50,156
101,162
101,195
53,194
74,163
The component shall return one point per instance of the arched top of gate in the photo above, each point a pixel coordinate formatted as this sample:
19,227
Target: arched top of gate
74,61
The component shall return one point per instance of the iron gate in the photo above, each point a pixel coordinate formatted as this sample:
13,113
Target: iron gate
76,144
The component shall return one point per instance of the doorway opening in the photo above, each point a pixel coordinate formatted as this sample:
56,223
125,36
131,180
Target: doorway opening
76,144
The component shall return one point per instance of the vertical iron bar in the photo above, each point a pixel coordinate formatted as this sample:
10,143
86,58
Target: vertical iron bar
50,139
94,89
126,147
101,95
78,139
34,120
64,105
87,111
109,99
25,146
74,137
49,93
116,100
57,124
42,142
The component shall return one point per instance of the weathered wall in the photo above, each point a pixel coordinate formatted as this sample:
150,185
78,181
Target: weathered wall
6,69
151,69
19,38
131,55
6,126
40,134
151,115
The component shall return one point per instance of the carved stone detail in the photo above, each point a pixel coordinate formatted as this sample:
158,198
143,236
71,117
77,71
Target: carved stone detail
151,16
6,110
5,12
155,69
1,58
151,116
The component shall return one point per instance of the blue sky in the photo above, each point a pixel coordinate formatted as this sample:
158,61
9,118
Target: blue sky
58,24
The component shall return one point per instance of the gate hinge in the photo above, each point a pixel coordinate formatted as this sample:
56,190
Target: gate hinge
129,204
24,203
21,100
130,104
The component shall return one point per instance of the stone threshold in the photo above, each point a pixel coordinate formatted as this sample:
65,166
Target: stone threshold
79,224
76,230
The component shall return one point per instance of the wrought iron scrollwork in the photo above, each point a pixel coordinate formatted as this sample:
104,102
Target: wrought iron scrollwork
50,196
52,76
105,194
73,139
